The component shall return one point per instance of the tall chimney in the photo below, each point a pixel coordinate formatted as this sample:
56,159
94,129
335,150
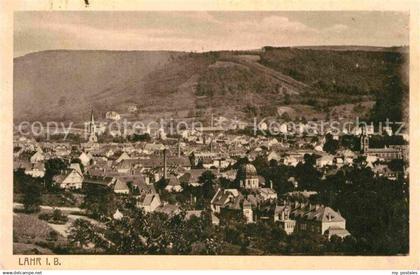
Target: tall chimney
179,147
165,175
271,184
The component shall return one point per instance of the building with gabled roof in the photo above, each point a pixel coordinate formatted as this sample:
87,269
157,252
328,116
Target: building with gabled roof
37,170
99,181
192,177
38,156
303,216
174,185
226,198
72,179
76,166
121,187
148,202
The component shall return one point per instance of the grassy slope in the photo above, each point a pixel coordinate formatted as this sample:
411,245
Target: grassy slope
27,231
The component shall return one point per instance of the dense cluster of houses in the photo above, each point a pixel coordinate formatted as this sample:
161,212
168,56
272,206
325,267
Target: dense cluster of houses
134,167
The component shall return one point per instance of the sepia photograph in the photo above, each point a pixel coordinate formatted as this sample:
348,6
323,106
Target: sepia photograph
211,133
192,136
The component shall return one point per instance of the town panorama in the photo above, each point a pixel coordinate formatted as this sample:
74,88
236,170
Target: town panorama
268,151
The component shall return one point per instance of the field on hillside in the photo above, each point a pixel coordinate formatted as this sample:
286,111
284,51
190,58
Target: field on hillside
29,233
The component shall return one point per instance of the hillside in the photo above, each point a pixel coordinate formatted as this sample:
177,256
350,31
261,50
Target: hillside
65,85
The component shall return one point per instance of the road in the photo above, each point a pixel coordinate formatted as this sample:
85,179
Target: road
17,205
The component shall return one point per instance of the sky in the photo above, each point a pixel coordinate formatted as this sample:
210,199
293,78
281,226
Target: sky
204,31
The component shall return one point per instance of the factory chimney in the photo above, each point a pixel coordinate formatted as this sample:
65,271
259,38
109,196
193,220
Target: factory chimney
179,147
165,169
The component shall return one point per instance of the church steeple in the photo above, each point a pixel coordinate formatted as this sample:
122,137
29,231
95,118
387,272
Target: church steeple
92,129
92,120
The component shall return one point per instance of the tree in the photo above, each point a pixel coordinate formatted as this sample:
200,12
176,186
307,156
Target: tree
57,216
285,116
99,202
52,236
286,99
396,165
331,145
310,159
32,197
389,104
53,167
81,233
307,175
207,180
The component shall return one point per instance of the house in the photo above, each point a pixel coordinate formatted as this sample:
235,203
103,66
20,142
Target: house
273,156
138,184
339,161
229,174
98,181
193,213
267,194
73,179
336,231
247,211
117,215
121,187
62,150
127,166
85,158
37,170
174,185
112,115
150,148
272,142
204,157
148,202
324,160
132,108
169,209
214,219
122,156
282,215
387,153
292,160
370,130
22,164
302,216
382,170
17,151
192,177
226,198
38,156
348,156
76,166
388,130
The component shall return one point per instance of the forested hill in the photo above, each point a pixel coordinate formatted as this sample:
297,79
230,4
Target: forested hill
310,82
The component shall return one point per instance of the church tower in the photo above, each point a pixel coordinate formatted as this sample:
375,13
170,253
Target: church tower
364,141
92,129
